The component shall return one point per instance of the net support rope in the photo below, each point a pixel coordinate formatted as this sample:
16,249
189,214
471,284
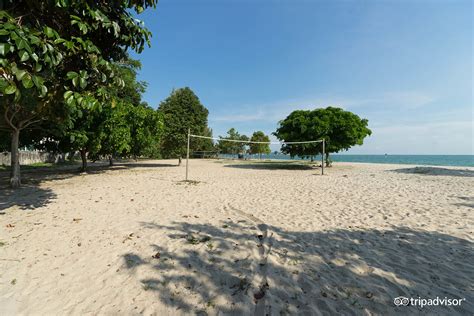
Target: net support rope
252,142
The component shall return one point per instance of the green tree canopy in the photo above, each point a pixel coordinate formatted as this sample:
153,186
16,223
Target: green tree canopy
181,111
121,126
340,129
129,126
260,149
57,53
146,129
233,148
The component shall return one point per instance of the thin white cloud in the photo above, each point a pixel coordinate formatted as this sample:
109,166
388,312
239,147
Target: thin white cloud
441,137
279,110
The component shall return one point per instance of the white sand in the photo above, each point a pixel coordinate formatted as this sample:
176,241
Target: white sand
245,239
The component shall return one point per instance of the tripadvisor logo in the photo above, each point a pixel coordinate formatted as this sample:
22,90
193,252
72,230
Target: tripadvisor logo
422,302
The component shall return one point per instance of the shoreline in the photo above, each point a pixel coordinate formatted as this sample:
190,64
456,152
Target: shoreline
339,162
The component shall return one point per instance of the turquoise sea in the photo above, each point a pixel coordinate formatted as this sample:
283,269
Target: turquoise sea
430,160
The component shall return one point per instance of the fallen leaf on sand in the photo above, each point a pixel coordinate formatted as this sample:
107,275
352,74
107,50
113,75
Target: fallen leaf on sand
156,255
129,237
259,294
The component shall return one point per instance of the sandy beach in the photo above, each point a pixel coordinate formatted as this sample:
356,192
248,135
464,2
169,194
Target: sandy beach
243,238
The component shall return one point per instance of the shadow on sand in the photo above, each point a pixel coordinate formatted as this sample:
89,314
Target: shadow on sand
436,171
31,195
271,166
27,197
348,272
467,201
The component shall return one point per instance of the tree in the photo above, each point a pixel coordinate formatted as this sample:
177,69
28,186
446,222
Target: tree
56,53
122,126
129,126
232,148
204,144
114,132
181,111
340,129
146,129
259,148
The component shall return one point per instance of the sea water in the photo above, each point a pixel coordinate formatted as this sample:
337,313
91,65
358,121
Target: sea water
430,160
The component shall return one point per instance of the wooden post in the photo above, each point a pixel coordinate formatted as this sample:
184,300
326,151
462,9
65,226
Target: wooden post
187,154
322,160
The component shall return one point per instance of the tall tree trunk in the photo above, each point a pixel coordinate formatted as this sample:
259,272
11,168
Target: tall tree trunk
111,161
328,162
84,160
179,161
15,176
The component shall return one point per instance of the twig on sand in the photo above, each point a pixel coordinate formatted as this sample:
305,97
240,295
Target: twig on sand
2,259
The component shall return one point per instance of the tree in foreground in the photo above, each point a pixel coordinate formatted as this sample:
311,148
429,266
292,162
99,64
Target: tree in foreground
56,54
259,148
340,129
122,126
181,111
232,148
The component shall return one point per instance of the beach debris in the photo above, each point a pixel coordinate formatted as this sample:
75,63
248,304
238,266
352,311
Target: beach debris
193,182
369,294
10,225
156,255
2,243
211,304
79,244
13,282
225,226
129,237
76,220
261,292
194,240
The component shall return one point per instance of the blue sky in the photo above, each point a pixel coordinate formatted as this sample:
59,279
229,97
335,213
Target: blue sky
406,66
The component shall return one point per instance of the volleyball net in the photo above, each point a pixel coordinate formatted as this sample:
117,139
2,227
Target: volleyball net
247,142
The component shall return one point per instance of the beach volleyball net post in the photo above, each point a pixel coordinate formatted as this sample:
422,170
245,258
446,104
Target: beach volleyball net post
252,142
